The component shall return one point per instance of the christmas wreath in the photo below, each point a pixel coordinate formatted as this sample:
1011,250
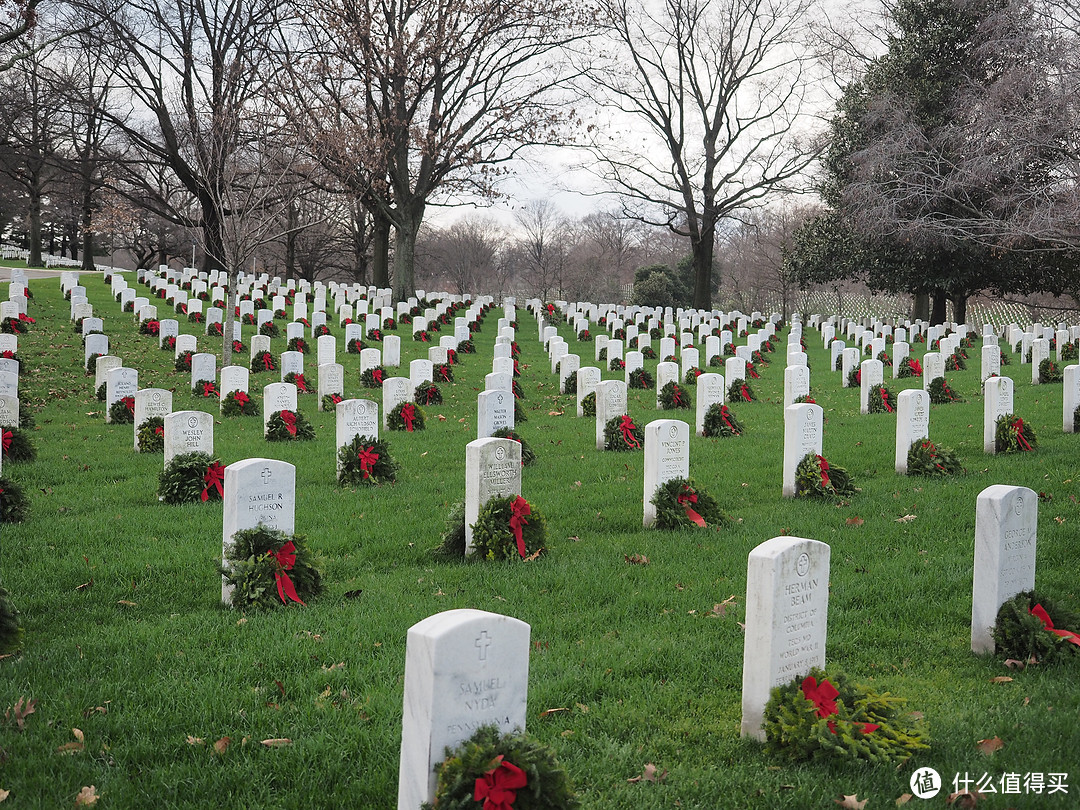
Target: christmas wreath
206,389
129,306
672,395
375,335
16,445
122,412
183,361
716,361
879,400
641,379
520,417
421,336
584,335
299,381
267,568
691,375
886,361
405,416
619,334
330,401
195,317
751,371
1070,351
389,325
926,458
427,393
298,344
528,457
366,461
854,377
940,392
151,435
76,327
516,389
451,357
304,321
1050,372
1032,628
168,343
656,333
320,330
740,391
501,772
909,367
720,422
263,361
248,319
1013,435
373,377
804,398
215,329
101,389
238,403
91,364
680,504
10,631
452,540
180,308
286,426
14,505
816,478
648,353
759,358
620,433
192,478
616,364
603,354
729,350
355,346
588,405
569,383
508,528
443,372
149,327
466,347
955,362
280,315
821,716
270,329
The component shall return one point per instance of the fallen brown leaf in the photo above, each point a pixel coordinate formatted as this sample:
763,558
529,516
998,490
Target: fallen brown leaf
649,774
332,667
4,794
195,740
549,712
855,521
78,734
1014,663
905,519
903,799
990,745
277,742
70,748
1059,520
22,709
127,603
964,799
1001,679
87,796
636,559
851,802
556,413
221,745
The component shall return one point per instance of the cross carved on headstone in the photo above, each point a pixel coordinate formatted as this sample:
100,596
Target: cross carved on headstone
483,641
265,475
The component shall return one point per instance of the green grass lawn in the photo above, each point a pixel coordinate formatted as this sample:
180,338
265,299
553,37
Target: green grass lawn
127,642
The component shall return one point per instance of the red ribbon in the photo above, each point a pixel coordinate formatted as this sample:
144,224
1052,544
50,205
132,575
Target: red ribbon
129,403
498,788
745,392
285,557
26,318
724,416
1018,425
8,353
289,418
1044,617
824,471
444,372
300,382
752,371
687,497
551,309
885,400
159,431
676,395
377,375
408,413
7,440
367,461
627,426
208,389
429,394
268,361
152,327
823,695
241,398
215,475
519,509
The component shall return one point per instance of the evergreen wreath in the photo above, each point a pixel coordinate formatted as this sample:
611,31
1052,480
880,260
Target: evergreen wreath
816,478
191,478
238,347
520,417
729,350
584,336
500,772
91,364
16,445
603,354
620,434
14,505
451,357
355,346
299,381
691,375
569,383
955,362
759,358
76,327
10,632
215,329
268,568
195,317
427,393
466,347
168,343
452,540
270,329
320,330
280,315
365,462
516,389
640,379
263,361
528,457
122,412
656,333
1076,420
298,344
1004,358
616,364
926,458
239,403
389,325
248,319
373,377
751,372
648,353
619,334
588,405
720,422
287,426
183,361
886,361
672,395
1050,372
149,327
101,389
151,435
330,402
740,391
206,389
508,528
909,367
375,335
1032,628
681,504
879,400
820,717
421,336
716,361
180,308
443,372
941,393
854,377
1013,435
1071,350
405,416
804,398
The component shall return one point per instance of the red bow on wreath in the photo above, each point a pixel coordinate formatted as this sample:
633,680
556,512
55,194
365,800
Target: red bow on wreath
824,471
519,510
744,392
885,400
285,557
377,375
241,398
208,390
268,361
724,415
916,367
444,372
301,383
676,395
159,430
1018,425
626,427
7,441
498,788
752,371
129,403
823,695
367,460
215,475
687,497
1040,612
26,318
408,413
289,418
152,327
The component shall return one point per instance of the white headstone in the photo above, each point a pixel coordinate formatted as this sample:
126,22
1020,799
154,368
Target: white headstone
796,383
120,382
912,423
997,401
356,417
149,403
667,456
872,373
188,432
331,381
234,378
710,391
933,364
492,469
610,402
1071,396
587,380
280,396
802,435
494,411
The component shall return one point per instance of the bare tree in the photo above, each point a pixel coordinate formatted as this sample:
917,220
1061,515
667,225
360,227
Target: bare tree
543,245
465,256
718,88
754,258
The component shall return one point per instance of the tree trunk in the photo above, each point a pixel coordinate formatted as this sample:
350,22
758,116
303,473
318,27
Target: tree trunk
213,239
941,300
703,265
920,307
87,227
959,303
406,227
380,250
34,215
228,320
